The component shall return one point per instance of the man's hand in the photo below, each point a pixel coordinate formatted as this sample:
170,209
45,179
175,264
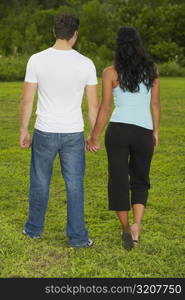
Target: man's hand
92,144
25,139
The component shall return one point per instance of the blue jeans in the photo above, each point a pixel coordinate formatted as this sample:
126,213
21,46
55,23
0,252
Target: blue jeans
71,149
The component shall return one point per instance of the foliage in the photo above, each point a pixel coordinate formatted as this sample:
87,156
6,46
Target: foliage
26,26
12,68
161,250
171,68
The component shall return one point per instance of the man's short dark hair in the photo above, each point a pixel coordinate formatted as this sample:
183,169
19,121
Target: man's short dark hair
65,26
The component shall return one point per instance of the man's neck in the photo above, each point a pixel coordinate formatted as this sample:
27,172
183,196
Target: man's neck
62,45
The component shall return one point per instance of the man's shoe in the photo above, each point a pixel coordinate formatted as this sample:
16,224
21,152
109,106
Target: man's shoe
33,237
86,245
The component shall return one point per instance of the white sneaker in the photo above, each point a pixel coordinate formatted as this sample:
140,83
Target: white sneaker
87,245
33,237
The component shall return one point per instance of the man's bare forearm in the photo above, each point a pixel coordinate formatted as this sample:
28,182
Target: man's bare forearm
26,104
25,114
93,104
93,113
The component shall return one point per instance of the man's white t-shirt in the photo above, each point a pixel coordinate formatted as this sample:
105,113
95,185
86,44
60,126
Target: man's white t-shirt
61,76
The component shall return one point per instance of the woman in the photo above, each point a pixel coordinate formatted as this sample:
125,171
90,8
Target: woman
132,132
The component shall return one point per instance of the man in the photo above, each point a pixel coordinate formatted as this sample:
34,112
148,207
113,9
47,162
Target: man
60,73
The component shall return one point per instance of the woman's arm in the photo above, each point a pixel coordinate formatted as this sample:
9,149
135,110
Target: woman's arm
155,108
104,110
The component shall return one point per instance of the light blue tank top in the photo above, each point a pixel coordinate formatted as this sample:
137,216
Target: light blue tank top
133,108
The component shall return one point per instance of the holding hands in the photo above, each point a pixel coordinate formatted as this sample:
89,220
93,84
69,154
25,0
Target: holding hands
92,144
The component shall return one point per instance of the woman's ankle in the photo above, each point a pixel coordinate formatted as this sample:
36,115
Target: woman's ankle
138,224
135,230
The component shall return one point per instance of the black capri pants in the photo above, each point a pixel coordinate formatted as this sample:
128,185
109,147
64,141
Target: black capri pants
129,150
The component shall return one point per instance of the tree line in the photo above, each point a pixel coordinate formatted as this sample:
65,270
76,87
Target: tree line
26,26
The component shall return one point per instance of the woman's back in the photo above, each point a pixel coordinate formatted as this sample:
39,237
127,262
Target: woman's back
132,108
132,133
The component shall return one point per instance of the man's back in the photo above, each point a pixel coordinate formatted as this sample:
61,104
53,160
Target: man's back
61,76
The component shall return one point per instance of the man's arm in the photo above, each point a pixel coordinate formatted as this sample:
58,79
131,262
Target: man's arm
93,104
26,105
104,111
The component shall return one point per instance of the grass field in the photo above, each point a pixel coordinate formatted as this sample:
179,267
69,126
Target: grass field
162,245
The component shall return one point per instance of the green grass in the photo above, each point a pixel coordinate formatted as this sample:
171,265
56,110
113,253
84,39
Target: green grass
162,245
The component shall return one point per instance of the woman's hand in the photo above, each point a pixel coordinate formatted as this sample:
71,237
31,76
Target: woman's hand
156,139
92,144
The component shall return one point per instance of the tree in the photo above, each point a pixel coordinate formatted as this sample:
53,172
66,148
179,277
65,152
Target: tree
94,22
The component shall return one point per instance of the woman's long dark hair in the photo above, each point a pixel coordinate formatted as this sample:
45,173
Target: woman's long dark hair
132,62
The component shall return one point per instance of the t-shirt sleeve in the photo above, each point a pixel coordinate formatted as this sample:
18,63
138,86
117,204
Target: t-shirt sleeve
31,71
92,77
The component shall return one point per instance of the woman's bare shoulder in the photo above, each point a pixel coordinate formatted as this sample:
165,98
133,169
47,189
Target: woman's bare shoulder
110,72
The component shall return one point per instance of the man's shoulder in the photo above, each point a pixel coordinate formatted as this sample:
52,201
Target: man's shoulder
83,58
39,54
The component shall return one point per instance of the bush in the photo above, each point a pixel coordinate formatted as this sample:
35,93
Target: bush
171,68
181,60
101,64
165,51
12,68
